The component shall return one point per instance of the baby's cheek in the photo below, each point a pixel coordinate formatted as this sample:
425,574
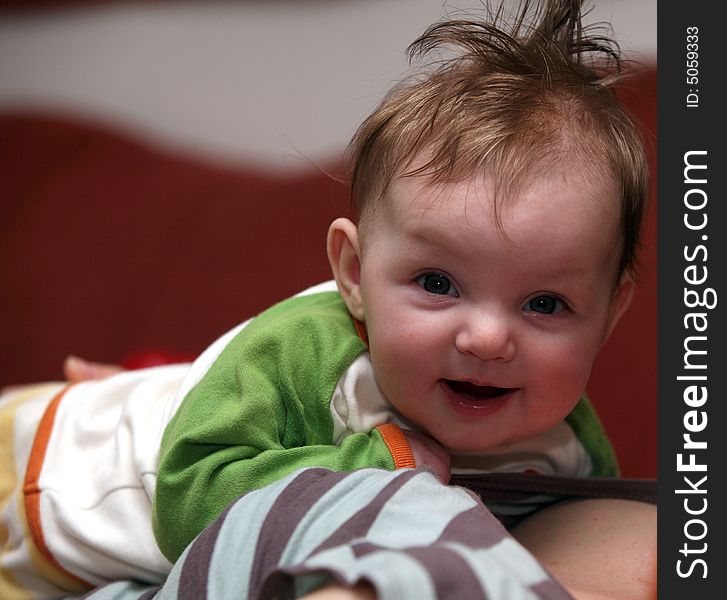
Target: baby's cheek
564,383
397,344
570,361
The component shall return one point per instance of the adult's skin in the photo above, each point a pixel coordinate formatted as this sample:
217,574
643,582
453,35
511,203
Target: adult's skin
77,369
619,536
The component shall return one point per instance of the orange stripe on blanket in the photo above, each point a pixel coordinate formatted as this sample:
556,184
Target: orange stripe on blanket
398,446
31,488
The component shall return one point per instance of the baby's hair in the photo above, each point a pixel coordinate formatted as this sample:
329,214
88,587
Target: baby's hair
515,91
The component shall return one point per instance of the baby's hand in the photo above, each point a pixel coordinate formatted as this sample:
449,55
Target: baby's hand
427,451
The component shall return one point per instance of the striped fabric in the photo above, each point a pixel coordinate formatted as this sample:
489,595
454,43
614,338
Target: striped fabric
403,531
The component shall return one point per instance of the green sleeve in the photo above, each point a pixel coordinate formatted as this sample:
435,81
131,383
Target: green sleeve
587,426
260,412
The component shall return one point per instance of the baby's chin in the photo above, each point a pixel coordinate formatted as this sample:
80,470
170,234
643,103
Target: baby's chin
457,441
470,449
459,445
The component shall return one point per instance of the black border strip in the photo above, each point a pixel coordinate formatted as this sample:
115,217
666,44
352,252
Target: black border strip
690,132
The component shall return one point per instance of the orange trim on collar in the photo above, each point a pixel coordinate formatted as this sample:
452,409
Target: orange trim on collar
398,446
361,330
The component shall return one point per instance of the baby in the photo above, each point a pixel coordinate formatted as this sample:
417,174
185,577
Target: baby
498,199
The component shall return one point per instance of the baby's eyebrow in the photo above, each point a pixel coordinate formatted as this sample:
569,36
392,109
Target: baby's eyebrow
439,246
575,282
443,238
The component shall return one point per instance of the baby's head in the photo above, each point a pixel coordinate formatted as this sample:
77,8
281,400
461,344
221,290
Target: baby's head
498,201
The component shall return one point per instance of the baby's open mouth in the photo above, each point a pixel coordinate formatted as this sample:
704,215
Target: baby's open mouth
475,392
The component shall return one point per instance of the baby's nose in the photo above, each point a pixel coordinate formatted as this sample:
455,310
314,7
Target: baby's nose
487,336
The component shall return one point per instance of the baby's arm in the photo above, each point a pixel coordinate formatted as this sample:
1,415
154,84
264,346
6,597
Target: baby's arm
260,410
200,472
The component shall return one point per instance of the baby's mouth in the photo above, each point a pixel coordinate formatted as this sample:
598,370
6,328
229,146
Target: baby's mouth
475,392
476,401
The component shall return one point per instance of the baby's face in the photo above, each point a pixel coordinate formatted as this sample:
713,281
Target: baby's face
483,339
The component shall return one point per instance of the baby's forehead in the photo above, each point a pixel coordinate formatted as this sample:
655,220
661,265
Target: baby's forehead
590,191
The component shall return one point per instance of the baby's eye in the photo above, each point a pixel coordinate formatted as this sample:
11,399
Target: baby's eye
436,283
545,304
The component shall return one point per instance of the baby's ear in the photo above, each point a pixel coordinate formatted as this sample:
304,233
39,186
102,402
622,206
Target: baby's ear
620,301
344,254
